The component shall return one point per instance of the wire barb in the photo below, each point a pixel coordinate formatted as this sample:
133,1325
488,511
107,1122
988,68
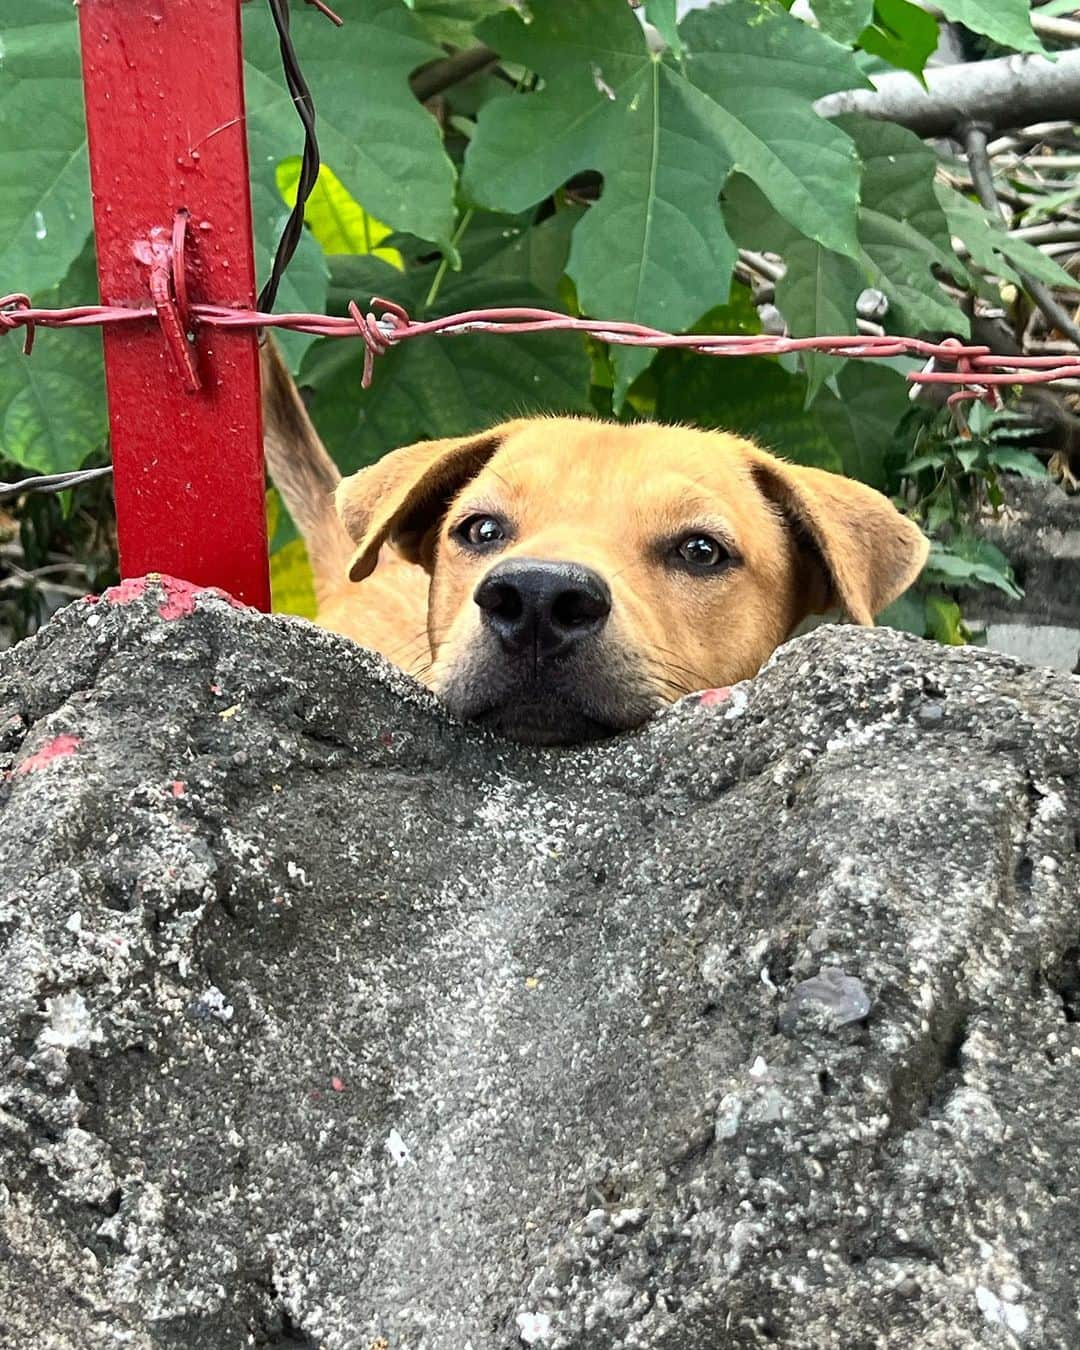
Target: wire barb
10,307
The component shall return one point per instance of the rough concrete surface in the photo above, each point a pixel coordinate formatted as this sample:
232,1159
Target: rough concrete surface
325,1022
1039,532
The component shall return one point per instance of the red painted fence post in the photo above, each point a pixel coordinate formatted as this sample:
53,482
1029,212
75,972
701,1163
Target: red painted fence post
165,114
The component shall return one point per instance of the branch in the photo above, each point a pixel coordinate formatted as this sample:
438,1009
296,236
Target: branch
1008,92
433,79
983,177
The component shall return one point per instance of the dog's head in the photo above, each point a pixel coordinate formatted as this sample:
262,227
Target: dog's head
585,573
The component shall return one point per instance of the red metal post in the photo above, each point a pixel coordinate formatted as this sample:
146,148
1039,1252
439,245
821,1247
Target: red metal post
165,115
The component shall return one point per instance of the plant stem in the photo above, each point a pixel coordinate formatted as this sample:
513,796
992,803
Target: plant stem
444,264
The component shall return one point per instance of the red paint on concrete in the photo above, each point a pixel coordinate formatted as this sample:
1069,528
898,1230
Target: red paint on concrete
337,1084
126,592
711,697
178,788
58,748
178,597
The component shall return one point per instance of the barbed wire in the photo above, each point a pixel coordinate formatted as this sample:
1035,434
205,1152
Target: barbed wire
977,372
52,482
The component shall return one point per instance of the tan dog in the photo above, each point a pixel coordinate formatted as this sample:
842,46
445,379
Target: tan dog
560,579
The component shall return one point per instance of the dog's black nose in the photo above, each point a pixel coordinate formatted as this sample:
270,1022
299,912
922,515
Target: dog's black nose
546,606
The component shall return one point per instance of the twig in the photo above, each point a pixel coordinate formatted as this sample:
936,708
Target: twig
1036,133
1056,163
1048,234
1064,30
982,176
761,265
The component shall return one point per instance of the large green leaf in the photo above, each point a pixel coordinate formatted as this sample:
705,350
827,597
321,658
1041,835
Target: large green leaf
336,219
1004,21
513,248
819,288
664,17
753,396
843,20
380,142
45,203
817,296
665,136
453,21
902,227
52,403
852,430
433,387
862,417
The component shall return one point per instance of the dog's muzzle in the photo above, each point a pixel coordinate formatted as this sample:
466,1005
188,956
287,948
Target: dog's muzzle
545,609
543,666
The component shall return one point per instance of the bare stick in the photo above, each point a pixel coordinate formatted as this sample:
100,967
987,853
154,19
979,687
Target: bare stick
983,177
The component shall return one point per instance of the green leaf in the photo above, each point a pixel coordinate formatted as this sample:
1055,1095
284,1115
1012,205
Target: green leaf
931,460
902,34
663,15
512,248
749,395
1046,207
819,288
1020,462
762,71
385,148
454,21
52,403
337,220
862,418
992,247
665,137
45,204
968,561
1007,22
843,20
907,614
292,588
944,622
817,295
432,387
902,227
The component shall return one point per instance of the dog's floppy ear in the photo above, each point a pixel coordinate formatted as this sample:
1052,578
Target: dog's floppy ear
870,552
397,499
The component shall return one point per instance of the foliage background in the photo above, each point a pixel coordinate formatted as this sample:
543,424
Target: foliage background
675,174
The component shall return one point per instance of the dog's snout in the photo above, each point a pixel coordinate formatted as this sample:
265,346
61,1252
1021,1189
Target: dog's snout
546,606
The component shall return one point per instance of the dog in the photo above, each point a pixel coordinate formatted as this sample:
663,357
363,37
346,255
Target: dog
560,579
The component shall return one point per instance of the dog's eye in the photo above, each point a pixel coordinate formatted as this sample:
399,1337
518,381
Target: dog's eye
701,550
481,530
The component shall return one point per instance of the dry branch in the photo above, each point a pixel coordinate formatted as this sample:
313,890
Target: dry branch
1008,92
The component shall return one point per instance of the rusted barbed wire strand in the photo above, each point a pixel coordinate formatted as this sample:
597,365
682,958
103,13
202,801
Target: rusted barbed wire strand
385,324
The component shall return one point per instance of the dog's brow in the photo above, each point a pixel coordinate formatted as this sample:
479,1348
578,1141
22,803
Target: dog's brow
699,514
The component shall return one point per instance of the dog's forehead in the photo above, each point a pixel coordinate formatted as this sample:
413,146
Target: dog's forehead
648,469
647,460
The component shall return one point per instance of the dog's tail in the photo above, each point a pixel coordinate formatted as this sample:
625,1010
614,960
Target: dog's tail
303,473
